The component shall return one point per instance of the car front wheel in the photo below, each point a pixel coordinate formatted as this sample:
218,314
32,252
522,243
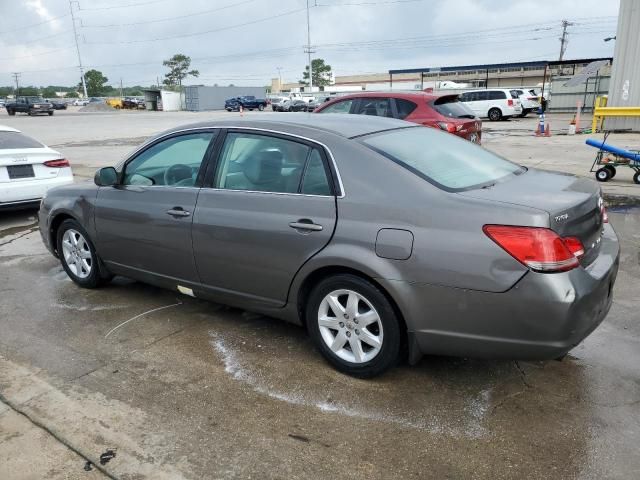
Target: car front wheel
78,256
261,107
354,325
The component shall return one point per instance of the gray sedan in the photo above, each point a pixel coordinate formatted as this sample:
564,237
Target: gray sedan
384,239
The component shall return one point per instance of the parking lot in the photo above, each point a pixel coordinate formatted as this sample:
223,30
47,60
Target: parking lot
182,388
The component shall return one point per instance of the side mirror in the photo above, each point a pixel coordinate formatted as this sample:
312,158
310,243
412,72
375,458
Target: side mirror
106,177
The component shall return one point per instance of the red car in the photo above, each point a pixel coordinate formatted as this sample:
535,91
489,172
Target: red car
444,112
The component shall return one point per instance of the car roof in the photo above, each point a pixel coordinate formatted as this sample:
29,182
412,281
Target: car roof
407,95
343,125
4,128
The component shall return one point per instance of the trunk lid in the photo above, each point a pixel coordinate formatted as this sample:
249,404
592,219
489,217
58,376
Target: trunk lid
27,164
573,204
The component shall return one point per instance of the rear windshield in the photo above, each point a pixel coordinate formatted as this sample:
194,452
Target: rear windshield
452,108
10,140
447,161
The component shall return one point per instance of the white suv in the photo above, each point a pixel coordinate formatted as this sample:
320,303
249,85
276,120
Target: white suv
493,103
529,100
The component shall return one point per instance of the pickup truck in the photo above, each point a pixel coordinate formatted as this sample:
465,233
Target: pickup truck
29,105
248,102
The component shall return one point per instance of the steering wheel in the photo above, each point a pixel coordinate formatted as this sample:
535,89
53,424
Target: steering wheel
177,173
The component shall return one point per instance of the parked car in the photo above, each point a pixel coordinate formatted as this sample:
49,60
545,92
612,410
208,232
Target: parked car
493,103
284,105
30,106
373,232
298,106
28,169
133,103
443,112
528,100
58,105
276,103
248,102
79,102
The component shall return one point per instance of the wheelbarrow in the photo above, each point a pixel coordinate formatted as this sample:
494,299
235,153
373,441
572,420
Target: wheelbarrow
610,157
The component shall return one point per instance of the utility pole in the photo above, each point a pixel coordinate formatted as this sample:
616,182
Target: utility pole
75,37
120,87
308,49
279,79
563,39
16,77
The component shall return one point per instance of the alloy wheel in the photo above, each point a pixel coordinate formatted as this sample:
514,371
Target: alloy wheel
350,326
77,253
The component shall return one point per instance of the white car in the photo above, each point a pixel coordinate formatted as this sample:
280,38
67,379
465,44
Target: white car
28,169
529,100
493,103
78,102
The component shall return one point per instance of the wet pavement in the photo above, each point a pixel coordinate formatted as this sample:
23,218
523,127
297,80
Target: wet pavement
181,388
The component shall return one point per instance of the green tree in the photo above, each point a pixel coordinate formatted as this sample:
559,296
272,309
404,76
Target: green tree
96,81
29,91
178,70
49,92
321,73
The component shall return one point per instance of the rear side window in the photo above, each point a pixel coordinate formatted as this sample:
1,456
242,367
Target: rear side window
447,161
452,108
10,140
315,181
339,107
496,95
377,107
404,107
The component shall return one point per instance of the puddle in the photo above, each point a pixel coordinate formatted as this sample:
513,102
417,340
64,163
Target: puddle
463,416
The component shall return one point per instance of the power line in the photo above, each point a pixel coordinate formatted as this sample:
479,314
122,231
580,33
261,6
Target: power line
25,27
167,19
129,5
215,30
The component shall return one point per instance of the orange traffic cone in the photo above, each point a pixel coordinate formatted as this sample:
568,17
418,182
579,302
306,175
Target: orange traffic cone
547,130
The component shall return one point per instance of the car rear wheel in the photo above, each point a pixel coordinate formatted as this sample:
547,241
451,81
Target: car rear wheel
495,114
353,325
50,113
524,113
261,107
603,174
78,256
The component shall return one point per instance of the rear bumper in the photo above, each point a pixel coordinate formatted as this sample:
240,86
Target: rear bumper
30,191
542,317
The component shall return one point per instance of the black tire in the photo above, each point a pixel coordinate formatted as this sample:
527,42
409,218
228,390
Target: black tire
636,178
612,170
525,112
389,352
228,109
603,174
495,114
11,112
50,114
261,107
98,275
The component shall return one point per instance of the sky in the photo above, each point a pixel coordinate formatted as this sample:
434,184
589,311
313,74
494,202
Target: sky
249,42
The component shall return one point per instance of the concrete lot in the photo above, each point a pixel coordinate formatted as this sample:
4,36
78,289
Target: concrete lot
181,388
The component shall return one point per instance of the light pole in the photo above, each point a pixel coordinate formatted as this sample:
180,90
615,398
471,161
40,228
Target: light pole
279,79
75,37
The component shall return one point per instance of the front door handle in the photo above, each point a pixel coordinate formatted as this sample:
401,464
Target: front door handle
178,212
306,224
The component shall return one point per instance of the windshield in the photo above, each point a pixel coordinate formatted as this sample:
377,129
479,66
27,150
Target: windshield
35,99
447,161
451,107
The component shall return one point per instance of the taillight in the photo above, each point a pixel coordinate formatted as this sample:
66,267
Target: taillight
540,249
62,162
603,212
449,127
510,102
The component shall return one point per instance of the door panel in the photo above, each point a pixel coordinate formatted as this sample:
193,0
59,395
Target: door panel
144,224
271,209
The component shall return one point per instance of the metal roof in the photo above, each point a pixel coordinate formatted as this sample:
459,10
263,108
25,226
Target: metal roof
490,66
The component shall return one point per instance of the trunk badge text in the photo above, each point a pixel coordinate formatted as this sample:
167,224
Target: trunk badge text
562,217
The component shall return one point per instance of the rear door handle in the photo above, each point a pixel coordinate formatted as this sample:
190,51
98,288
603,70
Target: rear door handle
178,212
306,224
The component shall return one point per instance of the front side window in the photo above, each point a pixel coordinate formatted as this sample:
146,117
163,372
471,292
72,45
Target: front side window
447,161
172,162
378,107
339,107
261,163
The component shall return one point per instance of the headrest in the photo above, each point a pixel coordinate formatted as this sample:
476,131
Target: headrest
264,167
